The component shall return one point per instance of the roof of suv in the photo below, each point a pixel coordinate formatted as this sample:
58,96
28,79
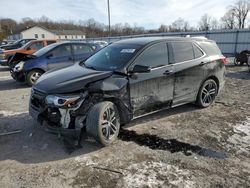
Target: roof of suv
147,40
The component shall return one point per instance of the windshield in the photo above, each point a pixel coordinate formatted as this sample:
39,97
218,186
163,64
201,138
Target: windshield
112,57
45,49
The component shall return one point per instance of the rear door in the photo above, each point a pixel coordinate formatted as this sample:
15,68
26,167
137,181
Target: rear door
155,88
81,51
189,71
60,57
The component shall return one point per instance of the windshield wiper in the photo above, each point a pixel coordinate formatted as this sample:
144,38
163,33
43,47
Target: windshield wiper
90,67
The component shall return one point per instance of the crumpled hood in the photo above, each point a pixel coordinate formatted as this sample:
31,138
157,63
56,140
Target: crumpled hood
69,79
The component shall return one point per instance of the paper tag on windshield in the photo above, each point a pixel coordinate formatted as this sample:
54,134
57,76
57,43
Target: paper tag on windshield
128,51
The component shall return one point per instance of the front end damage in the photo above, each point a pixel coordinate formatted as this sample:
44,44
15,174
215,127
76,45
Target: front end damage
61,114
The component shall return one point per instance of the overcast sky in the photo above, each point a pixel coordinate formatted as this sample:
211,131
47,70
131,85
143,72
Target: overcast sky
147,13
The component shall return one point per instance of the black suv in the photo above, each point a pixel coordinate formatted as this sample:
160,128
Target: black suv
127,79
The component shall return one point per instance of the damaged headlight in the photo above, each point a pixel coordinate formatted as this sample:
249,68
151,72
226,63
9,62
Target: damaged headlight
19,66
63,101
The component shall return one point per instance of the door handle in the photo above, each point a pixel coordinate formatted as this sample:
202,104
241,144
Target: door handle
168,72
202,63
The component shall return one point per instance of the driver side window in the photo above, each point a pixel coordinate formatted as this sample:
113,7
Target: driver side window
154,56
63,50
36,46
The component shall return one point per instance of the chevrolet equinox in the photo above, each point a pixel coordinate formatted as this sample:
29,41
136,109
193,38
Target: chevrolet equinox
127,79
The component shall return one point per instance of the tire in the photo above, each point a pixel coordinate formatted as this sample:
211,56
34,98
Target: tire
207,93
100,125
236,62
33,76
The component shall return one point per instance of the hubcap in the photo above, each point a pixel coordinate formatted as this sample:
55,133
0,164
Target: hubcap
35,76
208,93
109,123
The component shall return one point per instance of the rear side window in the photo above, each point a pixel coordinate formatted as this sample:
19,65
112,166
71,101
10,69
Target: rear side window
210,48
197,52
183,51
154,56
81,49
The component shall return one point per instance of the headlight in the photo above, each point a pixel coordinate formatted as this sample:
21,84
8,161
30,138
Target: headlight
19,66
2,56
63,101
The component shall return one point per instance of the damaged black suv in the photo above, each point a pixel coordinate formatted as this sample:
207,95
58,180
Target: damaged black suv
127,79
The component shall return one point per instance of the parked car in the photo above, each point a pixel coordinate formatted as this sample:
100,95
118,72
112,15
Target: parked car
6,56
127,79
5,42
18,44
54,56
242,57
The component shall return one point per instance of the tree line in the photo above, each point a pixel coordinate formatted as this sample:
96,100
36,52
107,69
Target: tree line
236,17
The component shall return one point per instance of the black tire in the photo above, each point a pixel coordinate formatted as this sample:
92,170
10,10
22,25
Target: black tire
99,123
33,76
207,93
236,62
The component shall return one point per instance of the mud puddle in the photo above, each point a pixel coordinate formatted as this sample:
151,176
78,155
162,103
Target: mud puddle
156,143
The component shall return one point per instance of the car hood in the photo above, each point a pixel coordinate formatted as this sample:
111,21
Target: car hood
69,79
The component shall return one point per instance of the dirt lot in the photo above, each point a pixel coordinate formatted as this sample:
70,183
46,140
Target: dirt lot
182,147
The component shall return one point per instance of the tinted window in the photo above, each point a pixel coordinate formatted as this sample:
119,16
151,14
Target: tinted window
112,57
63,50
197,52
37,46
210,48
183,51
81,49
154,56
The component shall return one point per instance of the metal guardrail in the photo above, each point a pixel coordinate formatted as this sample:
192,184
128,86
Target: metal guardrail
229,41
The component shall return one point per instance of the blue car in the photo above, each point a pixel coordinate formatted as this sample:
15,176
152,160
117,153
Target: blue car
54,56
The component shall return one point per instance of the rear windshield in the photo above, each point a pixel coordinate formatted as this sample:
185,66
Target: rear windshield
112,57
210,48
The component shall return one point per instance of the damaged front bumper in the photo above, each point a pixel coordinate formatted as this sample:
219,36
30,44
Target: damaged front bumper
60,120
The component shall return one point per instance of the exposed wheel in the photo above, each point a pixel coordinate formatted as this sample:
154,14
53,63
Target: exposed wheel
33,76
103,122
207,93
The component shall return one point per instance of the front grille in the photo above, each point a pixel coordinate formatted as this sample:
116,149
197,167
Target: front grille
37,98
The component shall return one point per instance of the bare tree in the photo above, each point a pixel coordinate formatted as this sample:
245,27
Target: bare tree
228,20
240,10
205,23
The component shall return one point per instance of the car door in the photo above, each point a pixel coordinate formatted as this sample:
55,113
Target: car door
61,56
81,51
189,71
154,88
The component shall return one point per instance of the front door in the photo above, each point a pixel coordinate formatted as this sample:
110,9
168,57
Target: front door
154,88
60,57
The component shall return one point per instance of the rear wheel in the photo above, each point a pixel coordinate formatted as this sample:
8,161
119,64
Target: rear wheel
33,76
207,93
103,122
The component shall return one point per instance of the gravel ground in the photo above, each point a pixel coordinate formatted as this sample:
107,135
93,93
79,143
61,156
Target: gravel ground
181,147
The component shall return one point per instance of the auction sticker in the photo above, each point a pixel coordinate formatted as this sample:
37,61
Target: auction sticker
127,50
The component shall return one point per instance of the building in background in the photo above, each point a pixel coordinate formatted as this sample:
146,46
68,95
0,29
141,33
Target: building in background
43,33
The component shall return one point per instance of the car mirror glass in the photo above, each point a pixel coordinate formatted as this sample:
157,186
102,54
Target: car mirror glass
140,69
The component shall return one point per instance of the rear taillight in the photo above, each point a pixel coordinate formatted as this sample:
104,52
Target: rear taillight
223,60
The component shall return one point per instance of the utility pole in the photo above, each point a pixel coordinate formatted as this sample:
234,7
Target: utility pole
109,35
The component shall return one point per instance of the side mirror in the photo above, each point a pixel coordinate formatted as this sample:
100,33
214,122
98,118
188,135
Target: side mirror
140,69
49,56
